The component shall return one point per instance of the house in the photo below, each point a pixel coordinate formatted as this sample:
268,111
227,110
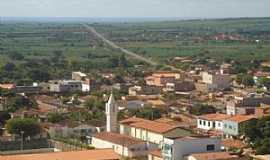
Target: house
122,144
178,148
245,104
211,121
151,131
8,86
60,86
144,90
235,125
180,86
225,68
216,82
162,78
34,89
131,104
157,103
230,143
213,156
262,111
99,154
78,76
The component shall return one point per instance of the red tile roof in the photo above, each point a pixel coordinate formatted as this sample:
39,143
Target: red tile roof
99,154
116,138
156,153
240,118
154,126
233,143
214,117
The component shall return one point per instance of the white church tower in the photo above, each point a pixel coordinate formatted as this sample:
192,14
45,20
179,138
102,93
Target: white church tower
111,115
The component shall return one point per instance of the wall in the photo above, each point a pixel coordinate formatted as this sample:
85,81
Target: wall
230,128
135,150
146,135
184,147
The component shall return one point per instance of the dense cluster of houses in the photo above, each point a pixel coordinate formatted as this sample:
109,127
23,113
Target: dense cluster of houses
178,134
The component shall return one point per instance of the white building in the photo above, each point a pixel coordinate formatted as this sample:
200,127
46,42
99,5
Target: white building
177,149
122,144
211,121
111,115
151,131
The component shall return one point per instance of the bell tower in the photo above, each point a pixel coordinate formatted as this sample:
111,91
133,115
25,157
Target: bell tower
111,115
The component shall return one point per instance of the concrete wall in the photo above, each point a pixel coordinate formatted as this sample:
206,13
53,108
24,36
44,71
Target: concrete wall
135,150
146,135
230,128
184,147
208,125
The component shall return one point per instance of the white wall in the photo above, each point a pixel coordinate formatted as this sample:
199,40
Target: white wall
135,150
85,88
218,124
185,147
146,135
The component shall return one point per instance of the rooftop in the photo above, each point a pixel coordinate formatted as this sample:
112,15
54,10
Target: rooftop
214,156
7,86
156,153
240,118
100,154
116,138
153,126
215,117
233,143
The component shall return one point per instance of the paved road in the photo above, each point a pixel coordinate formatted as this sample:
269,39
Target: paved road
113,45
132,54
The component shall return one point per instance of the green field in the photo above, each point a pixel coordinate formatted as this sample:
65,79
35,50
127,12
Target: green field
42,51
163,40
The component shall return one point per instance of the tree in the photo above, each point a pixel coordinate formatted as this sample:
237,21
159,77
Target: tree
200,109
264,147
123,61
39,74
9,66
16,56
264,82
6,93
258,133
29,127
147,112
17,102
55,117
245,79
4,116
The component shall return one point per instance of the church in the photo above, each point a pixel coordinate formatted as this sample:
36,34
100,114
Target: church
122,144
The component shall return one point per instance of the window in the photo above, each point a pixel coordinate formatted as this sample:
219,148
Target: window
210,147
204,123
200,122
209,124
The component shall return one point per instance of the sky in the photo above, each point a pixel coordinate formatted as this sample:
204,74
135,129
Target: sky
135,8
